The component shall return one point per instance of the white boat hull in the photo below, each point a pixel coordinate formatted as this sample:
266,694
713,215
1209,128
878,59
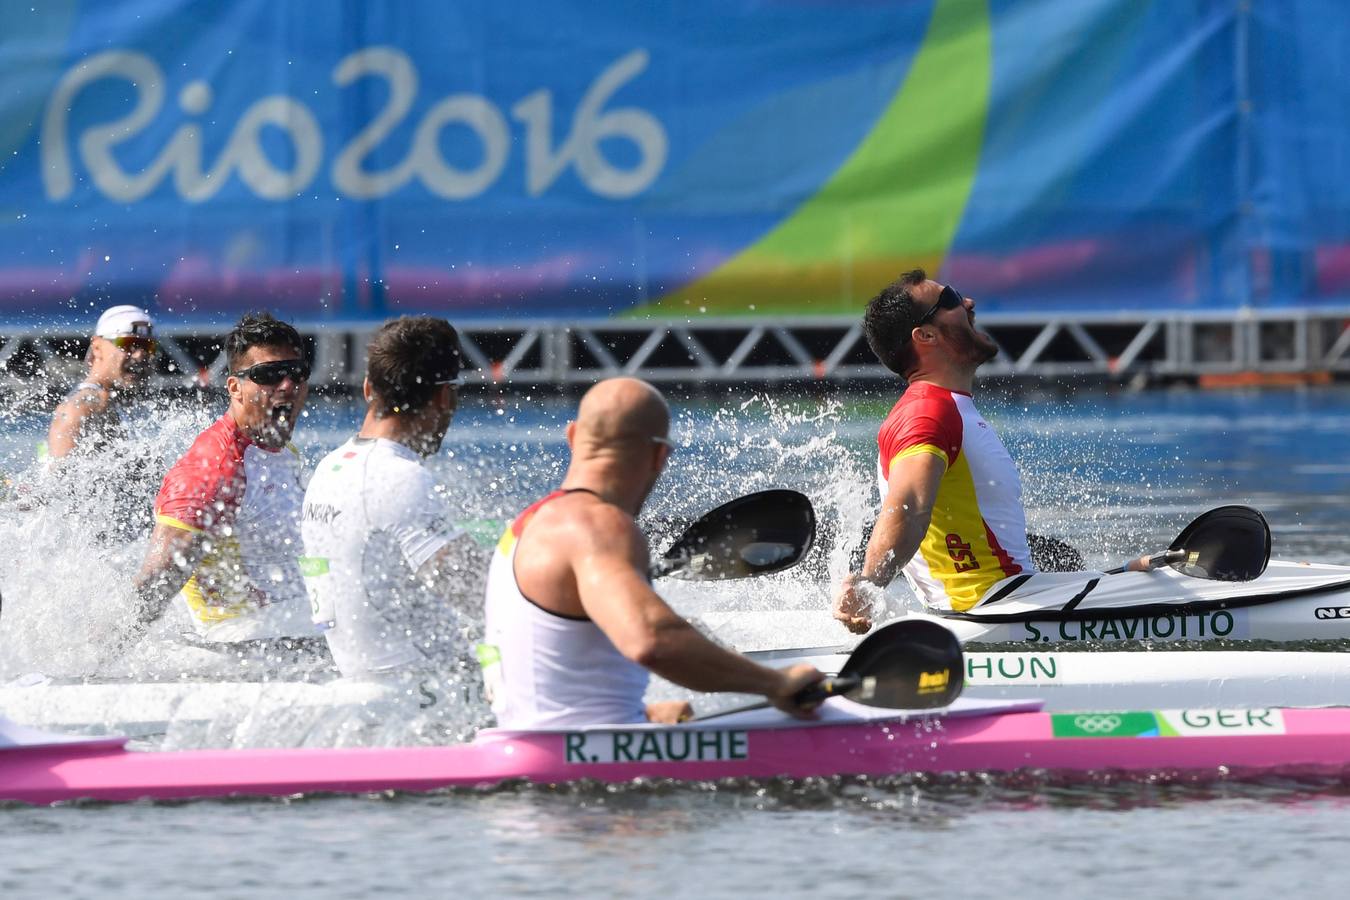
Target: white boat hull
243,714
1316,615
1065,681
1073,681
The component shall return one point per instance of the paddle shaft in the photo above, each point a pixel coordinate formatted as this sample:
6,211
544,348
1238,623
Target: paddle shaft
816,693
1151,563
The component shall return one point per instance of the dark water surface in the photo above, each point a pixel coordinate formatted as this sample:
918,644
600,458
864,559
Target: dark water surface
822,839
1112,472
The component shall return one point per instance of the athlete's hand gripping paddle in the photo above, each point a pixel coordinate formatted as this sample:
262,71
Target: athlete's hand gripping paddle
909,664
1229,543
757,534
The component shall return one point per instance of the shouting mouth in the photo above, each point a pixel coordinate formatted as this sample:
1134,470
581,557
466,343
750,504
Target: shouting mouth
283,417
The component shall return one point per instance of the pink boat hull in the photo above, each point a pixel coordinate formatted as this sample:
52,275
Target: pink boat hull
1212,744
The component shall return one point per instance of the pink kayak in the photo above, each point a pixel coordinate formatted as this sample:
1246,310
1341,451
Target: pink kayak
989,736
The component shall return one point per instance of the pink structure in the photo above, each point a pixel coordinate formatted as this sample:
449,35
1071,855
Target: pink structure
1202,743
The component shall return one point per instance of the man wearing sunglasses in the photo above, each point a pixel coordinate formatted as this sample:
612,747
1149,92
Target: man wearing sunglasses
388,570
227,518
951,516
120,356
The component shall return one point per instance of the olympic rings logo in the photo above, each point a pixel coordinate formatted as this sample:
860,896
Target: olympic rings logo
1096,724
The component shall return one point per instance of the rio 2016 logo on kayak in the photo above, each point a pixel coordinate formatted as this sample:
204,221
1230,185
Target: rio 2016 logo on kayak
1220,623
244,154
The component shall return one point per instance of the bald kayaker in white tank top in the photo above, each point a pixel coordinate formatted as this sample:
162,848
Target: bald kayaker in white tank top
576,671
572,623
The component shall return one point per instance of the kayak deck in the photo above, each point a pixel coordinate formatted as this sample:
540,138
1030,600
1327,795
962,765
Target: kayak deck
1291,601
1062,680
1211,744
1075,680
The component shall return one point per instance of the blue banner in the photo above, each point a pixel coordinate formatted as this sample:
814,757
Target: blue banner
507,160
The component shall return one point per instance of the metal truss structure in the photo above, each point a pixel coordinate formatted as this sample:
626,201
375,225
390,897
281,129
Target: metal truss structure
1141,348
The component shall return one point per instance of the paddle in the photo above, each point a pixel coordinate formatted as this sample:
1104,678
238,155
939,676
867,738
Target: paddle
757,534
1229,543
909,664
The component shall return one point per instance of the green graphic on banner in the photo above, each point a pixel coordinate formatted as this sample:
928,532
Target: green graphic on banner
895,204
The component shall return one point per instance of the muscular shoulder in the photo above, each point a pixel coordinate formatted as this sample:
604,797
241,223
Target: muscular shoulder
209,477
219,448
87,405
925,419
85,401
588,526
403,494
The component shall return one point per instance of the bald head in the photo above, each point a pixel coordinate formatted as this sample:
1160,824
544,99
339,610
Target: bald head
619,412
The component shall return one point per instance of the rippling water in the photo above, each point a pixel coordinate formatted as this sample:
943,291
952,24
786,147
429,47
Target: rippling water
1114,473
819,839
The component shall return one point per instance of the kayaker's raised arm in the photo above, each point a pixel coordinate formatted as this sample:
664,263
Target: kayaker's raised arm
457,572
901,525
76,415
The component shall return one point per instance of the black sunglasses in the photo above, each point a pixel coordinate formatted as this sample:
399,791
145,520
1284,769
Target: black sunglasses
950,298
270,373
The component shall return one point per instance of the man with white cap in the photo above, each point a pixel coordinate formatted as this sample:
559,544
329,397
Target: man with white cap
120,354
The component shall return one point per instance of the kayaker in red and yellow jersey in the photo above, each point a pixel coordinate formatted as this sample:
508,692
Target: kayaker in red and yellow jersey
951,516
572,623
227,518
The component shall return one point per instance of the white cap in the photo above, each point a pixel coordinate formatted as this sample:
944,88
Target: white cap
124,321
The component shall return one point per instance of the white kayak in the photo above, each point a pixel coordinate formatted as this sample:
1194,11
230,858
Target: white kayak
343,712
1291,601
1075,681
213,714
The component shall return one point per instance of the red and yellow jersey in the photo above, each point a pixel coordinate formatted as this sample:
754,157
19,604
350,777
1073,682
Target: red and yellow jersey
978,533
247,501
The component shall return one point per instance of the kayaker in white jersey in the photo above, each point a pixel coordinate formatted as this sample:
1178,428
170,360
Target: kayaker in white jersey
387,568
572,623
227,518
951,516
120,355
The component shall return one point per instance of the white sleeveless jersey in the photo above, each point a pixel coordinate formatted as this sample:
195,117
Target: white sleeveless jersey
544,670
372,517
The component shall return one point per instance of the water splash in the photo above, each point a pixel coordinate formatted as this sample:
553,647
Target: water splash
77,529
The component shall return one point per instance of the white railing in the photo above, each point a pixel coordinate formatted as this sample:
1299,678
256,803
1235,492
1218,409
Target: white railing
1123,347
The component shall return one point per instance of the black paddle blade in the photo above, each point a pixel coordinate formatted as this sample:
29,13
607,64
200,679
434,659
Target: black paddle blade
1230,543
909,664
757,534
